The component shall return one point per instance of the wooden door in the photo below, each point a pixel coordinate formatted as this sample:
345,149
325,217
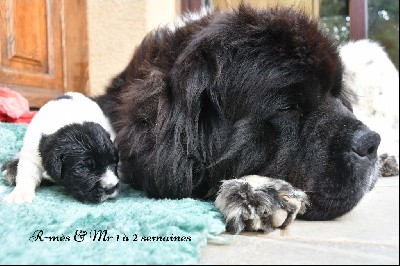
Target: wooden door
43,45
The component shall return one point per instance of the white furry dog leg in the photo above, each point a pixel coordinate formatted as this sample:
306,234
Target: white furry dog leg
28,177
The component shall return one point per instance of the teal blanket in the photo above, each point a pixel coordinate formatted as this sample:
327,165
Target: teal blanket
132,229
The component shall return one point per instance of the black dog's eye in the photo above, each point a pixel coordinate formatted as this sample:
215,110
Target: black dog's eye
289,108
292,110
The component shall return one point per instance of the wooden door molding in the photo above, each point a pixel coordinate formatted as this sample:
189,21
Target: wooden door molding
43,46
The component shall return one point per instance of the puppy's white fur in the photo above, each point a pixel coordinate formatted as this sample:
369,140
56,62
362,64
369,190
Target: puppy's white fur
51,117
109,179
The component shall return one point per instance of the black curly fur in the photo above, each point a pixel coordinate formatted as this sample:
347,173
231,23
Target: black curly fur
76,156
238,93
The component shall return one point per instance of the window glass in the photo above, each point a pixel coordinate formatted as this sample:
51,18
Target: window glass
383,26
335,18
383,23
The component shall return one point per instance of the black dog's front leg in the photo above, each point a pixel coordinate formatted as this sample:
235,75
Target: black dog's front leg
255,203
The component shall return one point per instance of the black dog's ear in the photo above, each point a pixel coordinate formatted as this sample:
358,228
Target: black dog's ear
51,160
193,77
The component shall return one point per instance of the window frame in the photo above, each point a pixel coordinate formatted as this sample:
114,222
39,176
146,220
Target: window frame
358,12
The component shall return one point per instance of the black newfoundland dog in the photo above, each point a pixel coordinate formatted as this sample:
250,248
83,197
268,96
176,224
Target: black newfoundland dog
245,108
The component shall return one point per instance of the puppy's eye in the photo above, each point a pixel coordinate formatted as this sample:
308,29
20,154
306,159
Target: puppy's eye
90,164
116,170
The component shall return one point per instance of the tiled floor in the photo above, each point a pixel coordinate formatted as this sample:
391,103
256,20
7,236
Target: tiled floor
369,234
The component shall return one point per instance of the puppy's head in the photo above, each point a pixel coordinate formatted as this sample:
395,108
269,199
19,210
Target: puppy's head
83,159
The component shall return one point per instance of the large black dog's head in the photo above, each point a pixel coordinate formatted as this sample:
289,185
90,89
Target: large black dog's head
241,93
270,85
83,159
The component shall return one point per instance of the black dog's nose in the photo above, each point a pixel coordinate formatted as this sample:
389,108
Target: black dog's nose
366,142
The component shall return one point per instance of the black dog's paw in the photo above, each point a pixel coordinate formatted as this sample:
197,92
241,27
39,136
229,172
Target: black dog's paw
9,171
389,165
255,203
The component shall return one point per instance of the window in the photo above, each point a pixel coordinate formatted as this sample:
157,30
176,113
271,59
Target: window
383,26
359,19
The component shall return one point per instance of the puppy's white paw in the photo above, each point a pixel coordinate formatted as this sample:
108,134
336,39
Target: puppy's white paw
20,195
256,203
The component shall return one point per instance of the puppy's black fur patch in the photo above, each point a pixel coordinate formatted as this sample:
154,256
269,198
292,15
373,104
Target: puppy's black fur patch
76,156
68,97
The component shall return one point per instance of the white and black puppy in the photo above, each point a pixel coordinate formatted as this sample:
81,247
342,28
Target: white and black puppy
70,142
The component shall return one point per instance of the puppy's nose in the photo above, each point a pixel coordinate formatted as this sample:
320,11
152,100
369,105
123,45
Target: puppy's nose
366,142
111,190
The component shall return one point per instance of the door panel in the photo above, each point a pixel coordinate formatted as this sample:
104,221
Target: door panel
34,55
26,43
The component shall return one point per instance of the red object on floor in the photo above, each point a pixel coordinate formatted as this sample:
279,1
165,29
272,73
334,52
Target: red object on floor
14,107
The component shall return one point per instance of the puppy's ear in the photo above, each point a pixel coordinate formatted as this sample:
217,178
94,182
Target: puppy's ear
51,157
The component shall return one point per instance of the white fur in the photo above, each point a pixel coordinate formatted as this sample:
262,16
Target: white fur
109,179
51,117
375,80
